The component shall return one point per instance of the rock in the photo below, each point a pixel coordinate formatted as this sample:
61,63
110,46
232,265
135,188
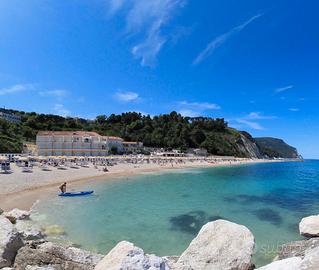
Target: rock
28,230
10,242
286,264
1,211
126,256
297,249
39,268
17,214
309,226
56,256
311,260
219,245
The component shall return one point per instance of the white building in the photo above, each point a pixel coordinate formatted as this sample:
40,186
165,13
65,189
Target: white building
114,142
10,117
71,143
132,147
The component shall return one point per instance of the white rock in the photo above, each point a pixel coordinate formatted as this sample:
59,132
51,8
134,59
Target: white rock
29,230
309,226
219,245
39,268
286,264
17,214
125,256
311,260
10,242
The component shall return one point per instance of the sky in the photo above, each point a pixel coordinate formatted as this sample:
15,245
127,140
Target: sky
254,63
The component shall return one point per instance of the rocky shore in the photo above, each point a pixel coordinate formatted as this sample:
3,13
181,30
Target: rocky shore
220,245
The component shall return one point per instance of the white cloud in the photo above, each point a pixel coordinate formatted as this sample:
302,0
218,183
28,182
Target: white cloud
147,17
251,121
189,113
126,96
250,124
294,109
16,89
53,93
61,110
260,116
220,40
200,105
283,89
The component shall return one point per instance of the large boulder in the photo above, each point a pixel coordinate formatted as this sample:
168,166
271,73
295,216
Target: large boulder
129,257
286,264
297,248
309,226
10,242
219,245
17,214
311,260
28,230
55,256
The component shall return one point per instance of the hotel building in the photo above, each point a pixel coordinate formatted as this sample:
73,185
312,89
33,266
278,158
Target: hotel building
77,143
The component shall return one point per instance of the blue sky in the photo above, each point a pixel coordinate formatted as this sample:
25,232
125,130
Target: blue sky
255,63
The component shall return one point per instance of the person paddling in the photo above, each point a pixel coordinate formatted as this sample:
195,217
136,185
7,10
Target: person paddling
63,187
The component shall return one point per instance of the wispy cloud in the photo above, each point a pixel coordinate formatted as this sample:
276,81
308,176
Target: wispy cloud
250,124
251,121
194,109
283,89
126,96
220,40
147,17
259,116
61,110
53,93
294,109
200,105
16,89
189,113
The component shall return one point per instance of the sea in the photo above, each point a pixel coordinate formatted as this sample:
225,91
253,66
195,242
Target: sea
163,212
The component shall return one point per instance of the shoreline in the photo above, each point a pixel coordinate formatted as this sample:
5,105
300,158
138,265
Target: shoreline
27,196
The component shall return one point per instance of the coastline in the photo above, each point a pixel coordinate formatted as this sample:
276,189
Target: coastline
24,193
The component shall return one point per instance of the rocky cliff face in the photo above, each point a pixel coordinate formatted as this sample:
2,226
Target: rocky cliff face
248,146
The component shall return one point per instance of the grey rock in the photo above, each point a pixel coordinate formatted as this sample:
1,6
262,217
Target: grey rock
17,214
56,256
10,242
219,245
297,249
28,230
286,264
311,260
126,256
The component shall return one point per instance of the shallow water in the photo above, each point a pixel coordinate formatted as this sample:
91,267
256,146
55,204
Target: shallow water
162,213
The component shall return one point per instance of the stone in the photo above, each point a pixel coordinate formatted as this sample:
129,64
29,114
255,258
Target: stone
56,256
309,226
17,214
10,242
219,245
297,248
286,264
28,230
311,260
129,257
1,211
39,268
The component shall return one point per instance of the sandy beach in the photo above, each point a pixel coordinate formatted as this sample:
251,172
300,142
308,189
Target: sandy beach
21,190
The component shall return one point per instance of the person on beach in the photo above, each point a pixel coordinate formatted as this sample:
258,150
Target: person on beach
63,187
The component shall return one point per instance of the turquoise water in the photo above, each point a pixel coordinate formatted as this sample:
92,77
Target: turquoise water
163,212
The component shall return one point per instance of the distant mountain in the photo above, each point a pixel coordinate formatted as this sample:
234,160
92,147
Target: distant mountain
276,148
